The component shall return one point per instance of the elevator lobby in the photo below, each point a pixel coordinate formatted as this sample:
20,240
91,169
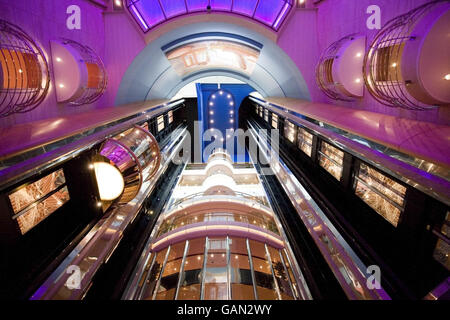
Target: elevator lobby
245,150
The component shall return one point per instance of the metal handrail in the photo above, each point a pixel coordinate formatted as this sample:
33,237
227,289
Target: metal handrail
48,155
358,146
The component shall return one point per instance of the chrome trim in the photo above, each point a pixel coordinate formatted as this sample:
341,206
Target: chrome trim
275,281
295,268
362,148
294,292
158,283
342,260
228,269
180,275
47,155
140,291
250,259
103,237
205,258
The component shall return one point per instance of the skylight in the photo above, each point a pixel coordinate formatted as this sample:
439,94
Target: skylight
150,13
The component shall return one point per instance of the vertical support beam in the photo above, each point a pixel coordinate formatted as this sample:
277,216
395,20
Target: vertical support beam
228,269
250,259
294,292
138,294
205,257
277,288
161,273
180,275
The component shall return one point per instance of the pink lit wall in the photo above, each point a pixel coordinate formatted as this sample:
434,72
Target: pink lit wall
118,40
45,20
310,31
123,42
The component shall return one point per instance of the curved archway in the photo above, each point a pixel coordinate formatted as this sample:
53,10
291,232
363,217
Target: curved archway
152,76
149,14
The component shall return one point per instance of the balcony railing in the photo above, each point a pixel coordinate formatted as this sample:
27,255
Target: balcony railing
235,195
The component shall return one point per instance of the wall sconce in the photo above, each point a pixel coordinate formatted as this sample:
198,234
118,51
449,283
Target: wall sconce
80,70
24,72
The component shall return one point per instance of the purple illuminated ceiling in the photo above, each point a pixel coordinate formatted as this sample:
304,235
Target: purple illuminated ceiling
150,13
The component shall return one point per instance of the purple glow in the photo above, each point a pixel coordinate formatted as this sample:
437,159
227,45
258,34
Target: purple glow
246,7
197,5
150,13
173,8
139,17
221,5
281,16
267,11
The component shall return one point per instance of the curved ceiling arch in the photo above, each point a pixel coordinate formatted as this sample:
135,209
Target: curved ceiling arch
152,76
149,14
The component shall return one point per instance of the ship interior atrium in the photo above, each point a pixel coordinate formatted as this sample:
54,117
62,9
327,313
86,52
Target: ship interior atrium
224,150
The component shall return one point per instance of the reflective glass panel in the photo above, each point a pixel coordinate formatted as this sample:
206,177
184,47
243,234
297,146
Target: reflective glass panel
331,159
241,276
216,273
265,285
191,278
169,280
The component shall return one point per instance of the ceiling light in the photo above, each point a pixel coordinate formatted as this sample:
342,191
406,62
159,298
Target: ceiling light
394,65
212,121
61,85
58,59
359,54
447,77
358,80
109,181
